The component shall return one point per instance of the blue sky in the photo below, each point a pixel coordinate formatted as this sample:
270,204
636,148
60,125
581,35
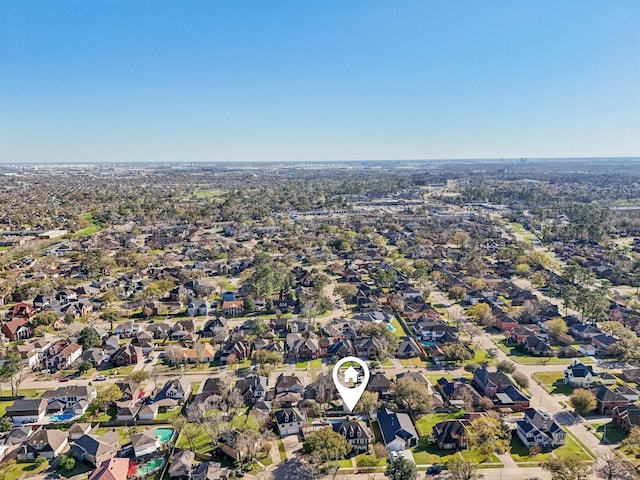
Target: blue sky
252,80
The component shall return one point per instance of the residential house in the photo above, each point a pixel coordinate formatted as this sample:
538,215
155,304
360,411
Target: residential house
94,355
78,429
379,383
22,311
409,348
181,329
451,434
580,375
148,412
232,308
19,435
47,443
27,410
288,383
111,469
17,329
537,345
198,307
215,328
71,395
500,389
357,433
584,331
182,465
398,431
289,421
29,355
145,443
65,357
341,348
210,471
173,393
238,351
538,429
306,349
603,342
627,416
159,331
94,449
607,399
369,347
232,446
128,354
435,331
253,388
458,393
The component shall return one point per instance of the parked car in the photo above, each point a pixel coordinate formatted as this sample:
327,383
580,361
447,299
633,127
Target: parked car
64,379
45,371
100,378
433,470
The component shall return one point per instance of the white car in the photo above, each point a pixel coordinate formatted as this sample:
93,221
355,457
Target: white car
100,378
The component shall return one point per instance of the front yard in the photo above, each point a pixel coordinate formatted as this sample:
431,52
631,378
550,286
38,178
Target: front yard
553,383
520,453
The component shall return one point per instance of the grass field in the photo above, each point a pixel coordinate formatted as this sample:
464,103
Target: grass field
520,453
281,450
13,471
552,383
399,331
425,423
201,443
524,359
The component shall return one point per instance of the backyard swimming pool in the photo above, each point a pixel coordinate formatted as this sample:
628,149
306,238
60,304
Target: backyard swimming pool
149,467
390,327
164,434
61,417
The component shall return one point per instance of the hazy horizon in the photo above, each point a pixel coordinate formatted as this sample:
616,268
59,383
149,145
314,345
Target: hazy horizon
271,81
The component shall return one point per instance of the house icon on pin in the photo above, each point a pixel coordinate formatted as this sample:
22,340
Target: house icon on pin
351,375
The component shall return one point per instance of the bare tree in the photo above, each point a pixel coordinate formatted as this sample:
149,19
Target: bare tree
198,347
612,466
173,354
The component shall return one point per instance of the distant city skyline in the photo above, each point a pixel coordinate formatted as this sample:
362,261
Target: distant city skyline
285,81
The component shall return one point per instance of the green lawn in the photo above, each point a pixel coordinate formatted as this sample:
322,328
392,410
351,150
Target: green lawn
124,433
614,433
520,453
281,450
377,434
533,360
345,463
15,471
552,383
202,443
399,331
316,364
387,363
425,423
168,415
90,230
573,446
414,362
302,365
370,460
427,454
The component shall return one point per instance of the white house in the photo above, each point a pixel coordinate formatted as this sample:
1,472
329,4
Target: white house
144,443
289,421
580,375
71,395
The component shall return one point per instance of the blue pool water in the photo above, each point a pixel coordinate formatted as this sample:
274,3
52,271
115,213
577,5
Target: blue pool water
61,417
164,434
390,327
427,344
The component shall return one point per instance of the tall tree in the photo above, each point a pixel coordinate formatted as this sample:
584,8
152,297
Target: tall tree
488,435
460,468
412,395
402,469
568,467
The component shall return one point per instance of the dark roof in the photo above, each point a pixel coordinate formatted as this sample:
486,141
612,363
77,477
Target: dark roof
394,425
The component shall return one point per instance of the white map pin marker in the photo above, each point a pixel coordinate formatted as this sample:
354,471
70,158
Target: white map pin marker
350,396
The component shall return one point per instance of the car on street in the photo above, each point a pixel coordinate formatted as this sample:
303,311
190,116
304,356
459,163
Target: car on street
141,395
64,379
100,378
148,360
433,470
